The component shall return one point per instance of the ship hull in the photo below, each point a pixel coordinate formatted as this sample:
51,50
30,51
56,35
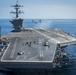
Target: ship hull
26,65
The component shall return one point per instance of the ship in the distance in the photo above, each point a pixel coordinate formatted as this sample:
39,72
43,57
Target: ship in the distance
30,48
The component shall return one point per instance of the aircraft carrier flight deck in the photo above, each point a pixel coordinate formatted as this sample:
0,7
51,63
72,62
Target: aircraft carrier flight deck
35,46
32,43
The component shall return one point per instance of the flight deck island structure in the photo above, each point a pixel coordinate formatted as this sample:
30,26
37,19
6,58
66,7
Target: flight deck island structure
17,22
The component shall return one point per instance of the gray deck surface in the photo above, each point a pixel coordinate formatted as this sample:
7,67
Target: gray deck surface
35,52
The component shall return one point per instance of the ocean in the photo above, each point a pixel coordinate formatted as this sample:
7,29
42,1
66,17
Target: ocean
68,25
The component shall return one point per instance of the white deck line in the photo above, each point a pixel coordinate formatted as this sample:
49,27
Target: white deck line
13,50
54,53
33,57
5,51
50,38
70,37
56,34
26,61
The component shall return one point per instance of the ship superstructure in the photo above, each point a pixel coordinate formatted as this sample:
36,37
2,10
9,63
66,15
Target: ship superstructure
17,22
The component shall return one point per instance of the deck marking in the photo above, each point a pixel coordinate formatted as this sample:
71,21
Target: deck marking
63,37
13,50
5,51
33,57
50,38
69,37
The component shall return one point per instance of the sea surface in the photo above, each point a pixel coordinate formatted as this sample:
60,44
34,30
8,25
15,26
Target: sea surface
68,25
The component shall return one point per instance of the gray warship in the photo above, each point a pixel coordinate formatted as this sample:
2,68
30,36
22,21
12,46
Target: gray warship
30,48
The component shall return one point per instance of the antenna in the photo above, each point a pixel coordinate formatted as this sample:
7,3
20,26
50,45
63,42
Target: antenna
17,1
17,11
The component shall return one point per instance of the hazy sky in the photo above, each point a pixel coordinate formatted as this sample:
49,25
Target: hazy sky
45,9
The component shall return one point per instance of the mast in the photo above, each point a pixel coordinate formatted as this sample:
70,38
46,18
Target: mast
17,22
17,11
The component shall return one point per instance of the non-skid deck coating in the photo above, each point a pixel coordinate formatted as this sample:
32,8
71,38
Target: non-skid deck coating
35,51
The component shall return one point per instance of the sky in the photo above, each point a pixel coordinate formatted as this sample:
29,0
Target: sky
40,9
